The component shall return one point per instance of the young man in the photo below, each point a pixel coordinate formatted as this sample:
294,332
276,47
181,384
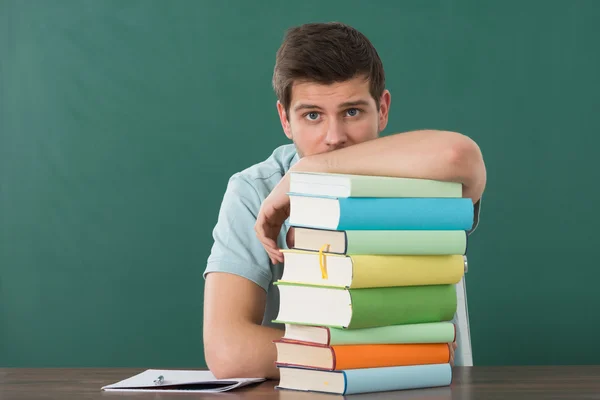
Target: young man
333,105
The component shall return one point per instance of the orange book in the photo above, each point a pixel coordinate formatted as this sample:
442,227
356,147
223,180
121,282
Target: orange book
341,357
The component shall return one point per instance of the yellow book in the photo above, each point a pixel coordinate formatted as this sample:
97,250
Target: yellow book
367,271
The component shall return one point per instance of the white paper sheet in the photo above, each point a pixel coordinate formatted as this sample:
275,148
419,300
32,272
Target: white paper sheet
179,381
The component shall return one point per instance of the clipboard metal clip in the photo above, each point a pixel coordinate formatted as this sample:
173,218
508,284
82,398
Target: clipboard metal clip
159,380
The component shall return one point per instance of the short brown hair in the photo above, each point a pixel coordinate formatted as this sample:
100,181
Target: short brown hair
326,53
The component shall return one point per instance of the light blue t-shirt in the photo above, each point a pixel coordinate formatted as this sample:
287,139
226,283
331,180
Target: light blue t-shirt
238,251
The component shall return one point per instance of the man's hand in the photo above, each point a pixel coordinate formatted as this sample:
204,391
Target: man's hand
274,210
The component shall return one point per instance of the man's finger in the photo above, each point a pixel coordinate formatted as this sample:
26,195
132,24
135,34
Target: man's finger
273,256
268,243
290,237
264,229
271,249
263,236
277,254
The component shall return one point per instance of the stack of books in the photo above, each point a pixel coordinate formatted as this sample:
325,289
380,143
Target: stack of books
367,293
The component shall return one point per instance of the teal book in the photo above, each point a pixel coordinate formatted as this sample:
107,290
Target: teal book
366,380
378,213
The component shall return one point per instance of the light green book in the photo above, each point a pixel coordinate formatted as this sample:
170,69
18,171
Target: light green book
348,185
364,308
401,242
432,332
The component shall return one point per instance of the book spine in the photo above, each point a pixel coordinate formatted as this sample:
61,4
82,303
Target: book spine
406,242
405,214
373,307
369,186
370,271
389,355
434,332
396,378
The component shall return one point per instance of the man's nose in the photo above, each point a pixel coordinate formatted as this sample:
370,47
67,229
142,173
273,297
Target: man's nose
336,136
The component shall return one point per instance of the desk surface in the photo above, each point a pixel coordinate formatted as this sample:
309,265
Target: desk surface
557,382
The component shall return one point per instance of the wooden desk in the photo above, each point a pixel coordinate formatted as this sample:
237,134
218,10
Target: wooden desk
532,383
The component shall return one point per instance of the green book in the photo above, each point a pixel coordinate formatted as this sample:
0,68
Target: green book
348,185
364,308
429,332
400,242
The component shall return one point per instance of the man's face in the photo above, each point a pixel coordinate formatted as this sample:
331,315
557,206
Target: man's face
323,118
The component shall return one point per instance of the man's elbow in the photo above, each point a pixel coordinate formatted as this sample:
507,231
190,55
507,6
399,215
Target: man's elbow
224,359
463,156
460,150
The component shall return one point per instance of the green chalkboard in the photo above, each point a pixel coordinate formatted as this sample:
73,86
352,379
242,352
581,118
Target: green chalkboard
121,121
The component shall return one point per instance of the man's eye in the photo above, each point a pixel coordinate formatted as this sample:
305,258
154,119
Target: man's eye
312,116
352,112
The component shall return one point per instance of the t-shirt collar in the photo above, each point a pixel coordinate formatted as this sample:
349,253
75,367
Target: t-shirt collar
294,159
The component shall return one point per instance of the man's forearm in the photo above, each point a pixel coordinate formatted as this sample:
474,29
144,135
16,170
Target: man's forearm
439,155
245,352
261,352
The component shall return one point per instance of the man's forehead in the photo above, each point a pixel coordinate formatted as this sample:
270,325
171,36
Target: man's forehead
337,94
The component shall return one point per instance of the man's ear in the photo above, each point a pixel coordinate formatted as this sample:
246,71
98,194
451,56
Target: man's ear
384,109
285,123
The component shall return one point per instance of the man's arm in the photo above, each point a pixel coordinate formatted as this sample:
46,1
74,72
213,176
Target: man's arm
438,155
428,154
237,277
235,343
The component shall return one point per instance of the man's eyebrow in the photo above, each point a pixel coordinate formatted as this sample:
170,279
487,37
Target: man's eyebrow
305,106
354,103
345,104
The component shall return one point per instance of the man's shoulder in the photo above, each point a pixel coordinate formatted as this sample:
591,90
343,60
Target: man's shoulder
263,176
236,248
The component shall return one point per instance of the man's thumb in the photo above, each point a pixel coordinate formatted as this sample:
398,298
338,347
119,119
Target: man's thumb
290,238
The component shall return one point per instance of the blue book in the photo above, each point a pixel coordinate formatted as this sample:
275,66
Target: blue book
367,380
379,213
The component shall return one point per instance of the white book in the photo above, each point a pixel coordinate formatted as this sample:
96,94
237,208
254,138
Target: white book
348,185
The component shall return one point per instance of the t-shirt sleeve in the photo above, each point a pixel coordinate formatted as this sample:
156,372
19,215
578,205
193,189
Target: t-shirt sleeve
476,211
236,249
